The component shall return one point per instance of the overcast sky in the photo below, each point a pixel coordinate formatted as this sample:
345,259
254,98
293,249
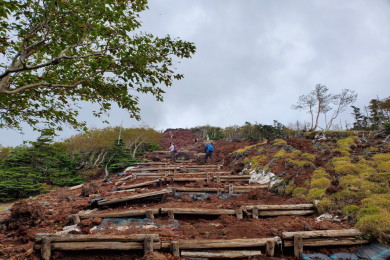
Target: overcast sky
255,58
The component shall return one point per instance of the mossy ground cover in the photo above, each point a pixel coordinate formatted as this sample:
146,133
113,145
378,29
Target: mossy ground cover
339,176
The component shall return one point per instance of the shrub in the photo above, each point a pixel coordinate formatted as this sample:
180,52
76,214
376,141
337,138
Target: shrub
280,154
384,166
294,154
381,177
325,205
315,194
279,142
381,157
320,173
350,211
300,163
346,169
308,157
364,169
321,183
349,181
381,200
378,225
289,188
299,192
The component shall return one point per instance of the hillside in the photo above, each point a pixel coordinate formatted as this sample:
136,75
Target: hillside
334,172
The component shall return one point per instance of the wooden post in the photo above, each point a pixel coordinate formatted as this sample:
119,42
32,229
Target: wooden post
255,213
298,246
218,179
148,244
270,248
149,214
164,198
175,248
75,218
171,181
171,215
239,213
230,188
208,177
46,248
160,181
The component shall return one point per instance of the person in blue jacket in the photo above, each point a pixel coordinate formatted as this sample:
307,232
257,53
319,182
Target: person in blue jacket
209,150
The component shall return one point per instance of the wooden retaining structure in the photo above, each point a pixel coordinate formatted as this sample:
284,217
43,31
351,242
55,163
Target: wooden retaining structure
211,248
188,248
321,238
148,195
263,211
279,210
48,242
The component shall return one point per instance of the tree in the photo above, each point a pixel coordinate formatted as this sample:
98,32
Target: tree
319,101
54,55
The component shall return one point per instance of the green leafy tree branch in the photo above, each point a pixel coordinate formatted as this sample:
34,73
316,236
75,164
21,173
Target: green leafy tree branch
57,54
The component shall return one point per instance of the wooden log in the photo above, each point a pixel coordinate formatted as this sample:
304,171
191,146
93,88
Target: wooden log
95,238
247,177
135,197
340,241
222,254
285,213
270,248
190,189
223,243
188,179
171,214
298,246
137,185
239,213
149,214
148,245
112,245
199,211
154,169
281,207
175,250
76,187
46,248
255,213
323,233
121,214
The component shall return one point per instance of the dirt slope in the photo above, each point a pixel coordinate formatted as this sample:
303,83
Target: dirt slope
49,213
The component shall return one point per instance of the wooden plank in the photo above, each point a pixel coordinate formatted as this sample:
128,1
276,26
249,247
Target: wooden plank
175,249
190,189
341,241
298,246
199,211
97,238
99,246
76,187
121,214
285,213
137,185
222,254
281,207
46,248
135,197
270,248
153,169
148,245
223,243
323,233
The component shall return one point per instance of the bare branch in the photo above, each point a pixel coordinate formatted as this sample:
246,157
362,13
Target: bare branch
41,84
